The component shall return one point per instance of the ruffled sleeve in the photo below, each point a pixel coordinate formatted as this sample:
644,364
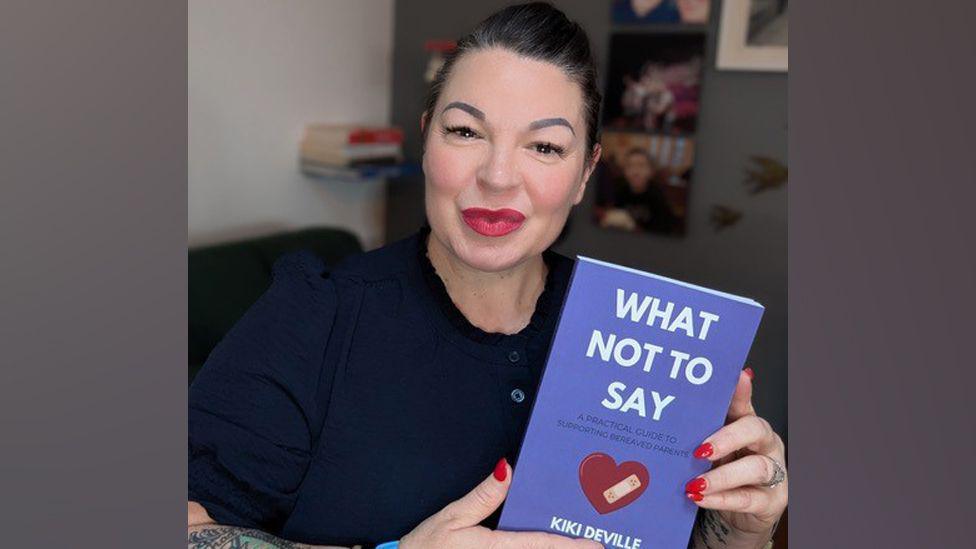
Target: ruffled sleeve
255,407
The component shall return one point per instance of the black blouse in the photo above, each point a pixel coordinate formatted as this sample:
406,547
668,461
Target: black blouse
347,406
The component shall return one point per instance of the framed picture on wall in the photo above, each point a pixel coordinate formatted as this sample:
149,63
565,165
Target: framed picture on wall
654,82
753,35
649,12
643,182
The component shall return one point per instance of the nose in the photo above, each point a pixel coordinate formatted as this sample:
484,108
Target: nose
498,172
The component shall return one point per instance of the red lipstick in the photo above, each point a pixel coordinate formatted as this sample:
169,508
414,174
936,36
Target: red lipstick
493,222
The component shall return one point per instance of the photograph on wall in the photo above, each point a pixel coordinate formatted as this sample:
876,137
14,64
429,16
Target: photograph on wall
643,182
648,12
654,82
754,35
768,24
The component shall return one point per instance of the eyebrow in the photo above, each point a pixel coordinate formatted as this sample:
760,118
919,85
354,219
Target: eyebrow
473,111
537,125
546,122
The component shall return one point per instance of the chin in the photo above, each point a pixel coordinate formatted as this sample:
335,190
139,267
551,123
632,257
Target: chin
492,254
490,260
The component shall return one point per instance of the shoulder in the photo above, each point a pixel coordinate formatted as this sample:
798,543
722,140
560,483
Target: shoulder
305,285
304,268
300,280
380,264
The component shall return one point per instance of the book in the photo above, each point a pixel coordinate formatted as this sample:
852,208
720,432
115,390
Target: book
641,370
333,135
359,172
349,154
346,145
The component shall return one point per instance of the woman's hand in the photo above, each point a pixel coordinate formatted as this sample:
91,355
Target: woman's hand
456,526
748,456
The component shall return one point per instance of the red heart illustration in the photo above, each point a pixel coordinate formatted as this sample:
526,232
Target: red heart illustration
609,486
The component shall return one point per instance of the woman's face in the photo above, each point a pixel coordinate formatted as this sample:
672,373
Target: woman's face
505,158
638,172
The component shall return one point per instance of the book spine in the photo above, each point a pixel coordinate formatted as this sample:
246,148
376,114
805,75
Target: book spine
364,150
346,157
353,136
352,163
352,173
388,135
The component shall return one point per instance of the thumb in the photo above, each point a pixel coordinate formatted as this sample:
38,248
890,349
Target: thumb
481,502
741,404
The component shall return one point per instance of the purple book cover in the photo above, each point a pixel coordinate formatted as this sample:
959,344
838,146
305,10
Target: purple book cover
642,368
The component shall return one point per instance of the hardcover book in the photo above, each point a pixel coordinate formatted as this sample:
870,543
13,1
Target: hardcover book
349,134
641,370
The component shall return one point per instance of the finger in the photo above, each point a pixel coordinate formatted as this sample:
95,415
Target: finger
481,502
748,471
750,500
750,432
741,404
542,540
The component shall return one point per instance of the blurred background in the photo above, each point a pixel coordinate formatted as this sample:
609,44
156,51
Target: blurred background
304,133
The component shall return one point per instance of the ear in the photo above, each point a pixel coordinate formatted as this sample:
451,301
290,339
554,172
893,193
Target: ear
423,138
588,171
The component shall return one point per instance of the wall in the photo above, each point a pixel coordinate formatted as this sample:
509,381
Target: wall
742,113
258,72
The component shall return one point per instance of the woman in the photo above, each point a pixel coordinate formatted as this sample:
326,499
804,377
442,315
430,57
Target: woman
367,403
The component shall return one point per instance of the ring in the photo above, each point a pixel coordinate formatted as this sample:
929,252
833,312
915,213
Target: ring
779,474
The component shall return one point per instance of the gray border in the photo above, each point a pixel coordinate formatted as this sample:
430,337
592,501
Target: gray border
93,304
93,308
881,274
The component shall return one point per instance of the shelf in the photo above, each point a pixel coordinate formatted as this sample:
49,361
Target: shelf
359,173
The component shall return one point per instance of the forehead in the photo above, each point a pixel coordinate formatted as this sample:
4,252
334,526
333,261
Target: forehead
511,89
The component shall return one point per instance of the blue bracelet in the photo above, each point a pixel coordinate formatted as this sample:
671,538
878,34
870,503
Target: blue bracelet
389,545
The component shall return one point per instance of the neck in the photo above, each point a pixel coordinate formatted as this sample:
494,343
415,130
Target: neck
496,302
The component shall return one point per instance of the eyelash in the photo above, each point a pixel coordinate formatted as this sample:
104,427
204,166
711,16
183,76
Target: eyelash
459,130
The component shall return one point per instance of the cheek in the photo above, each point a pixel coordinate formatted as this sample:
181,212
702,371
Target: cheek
553,191
448,171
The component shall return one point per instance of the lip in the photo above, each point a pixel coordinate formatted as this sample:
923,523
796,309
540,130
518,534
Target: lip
493,223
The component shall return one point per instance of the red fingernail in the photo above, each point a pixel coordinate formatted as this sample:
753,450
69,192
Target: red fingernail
695,496
750,373
696,485
501,470
704,450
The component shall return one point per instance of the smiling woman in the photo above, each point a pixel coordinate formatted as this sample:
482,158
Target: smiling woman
369,401
503,171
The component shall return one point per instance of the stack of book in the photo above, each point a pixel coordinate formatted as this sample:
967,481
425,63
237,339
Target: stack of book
351,146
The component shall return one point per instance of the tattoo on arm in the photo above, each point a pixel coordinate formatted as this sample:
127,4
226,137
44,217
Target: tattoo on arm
709,531
215,536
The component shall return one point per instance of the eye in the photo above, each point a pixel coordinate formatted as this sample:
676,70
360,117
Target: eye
463,132
548,149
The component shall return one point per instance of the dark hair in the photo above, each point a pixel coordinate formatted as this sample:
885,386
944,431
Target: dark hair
538,31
